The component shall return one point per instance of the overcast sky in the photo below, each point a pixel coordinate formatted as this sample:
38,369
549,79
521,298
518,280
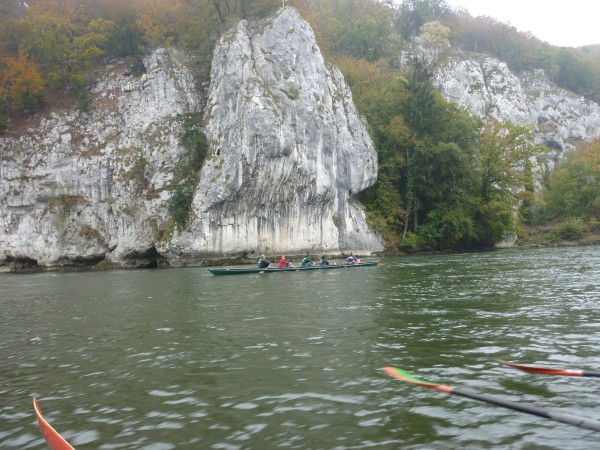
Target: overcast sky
569,23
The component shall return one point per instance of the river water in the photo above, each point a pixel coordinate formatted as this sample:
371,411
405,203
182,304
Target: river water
181,359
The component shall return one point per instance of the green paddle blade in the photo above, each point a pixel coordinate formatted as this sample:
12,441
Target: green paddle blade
405,376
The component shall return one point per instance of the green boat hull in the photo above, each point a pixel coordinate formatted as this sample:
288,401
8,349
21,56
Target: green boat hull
239,271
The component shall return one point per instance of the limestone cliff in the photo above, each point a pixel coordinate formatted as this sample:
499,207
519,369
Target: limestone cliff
289,153
288,157
79,188
488,88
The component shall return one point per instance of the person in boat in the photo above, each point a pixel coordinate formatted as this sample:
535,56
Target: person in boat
284,263
306,261
351,259
263,263
323,261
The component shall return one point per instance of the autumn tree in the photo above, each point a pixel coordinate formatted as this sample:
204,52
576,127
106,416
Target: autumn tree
20,82
158,19
62,49
126,38
21,86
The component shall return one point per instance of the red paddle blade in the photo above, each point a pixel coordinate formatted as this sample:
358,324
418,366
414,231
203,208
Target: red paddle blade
405,376
54,440
543,370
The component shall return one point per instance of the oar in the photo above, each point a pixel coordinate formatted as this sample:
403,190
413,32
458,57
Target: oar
54,440
551,371
570,419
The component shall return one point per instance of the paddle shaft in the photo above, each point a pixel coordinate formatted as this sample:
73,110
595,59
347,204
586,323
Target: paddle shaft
570,419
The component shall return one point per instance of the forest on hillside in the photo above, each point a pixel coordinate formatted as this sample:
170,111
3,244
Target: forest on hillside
446,180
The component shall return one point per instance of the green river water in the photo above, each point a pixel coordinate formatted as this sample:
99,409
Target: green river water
181,359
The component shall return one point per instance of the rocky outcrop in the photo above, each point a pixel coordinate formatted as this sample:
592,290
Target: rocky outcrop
288,157
488,88
289,153
78,189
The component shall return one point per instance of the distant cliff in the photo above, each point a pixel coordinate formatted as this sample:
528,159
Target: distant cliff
488,88
288,157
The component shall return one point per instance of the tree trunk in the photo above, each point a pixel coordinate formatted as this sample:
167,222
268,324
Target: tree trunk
406,218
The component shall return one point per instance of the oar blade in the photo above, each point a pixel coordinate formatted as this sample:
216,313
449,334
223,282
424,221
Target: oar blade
543,370
405,376
54,440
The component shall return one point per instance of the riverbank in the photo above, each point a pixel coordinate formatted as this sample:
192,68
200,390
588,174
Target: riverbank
557,236
571,232
566,234
28,266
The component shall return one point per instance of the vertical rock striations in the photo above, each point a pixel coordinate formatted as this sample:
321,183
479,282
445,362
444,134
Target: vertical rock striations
81,188
289,153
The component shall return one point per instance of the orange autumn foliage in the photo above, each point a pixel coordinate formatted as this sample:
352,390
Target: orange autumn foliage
21,84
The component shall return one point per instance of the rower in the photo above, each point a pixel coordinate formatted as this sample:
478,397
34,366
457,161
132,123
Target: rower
306,261
263,263
351,259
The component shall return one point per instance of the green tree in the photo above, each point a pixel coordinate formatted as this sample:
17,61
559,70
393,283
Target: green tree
574,187
436,37
503,152
425,111
187,171
504,158
397,167
125,38
412,14
62,49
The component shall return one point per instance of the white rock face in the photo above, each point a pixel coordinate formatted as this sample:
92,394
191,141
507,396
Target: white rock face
289,153
288,157
488,88
81,188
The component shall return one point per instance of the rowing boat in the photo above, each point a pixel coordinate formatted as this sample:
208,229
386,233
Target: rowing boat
238,271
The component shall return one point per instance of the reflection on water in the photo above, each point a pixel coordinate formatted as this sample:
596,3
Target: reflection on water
169,359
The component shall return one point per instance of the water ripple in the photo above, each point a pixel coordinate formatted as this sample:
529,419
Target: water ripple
180,359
